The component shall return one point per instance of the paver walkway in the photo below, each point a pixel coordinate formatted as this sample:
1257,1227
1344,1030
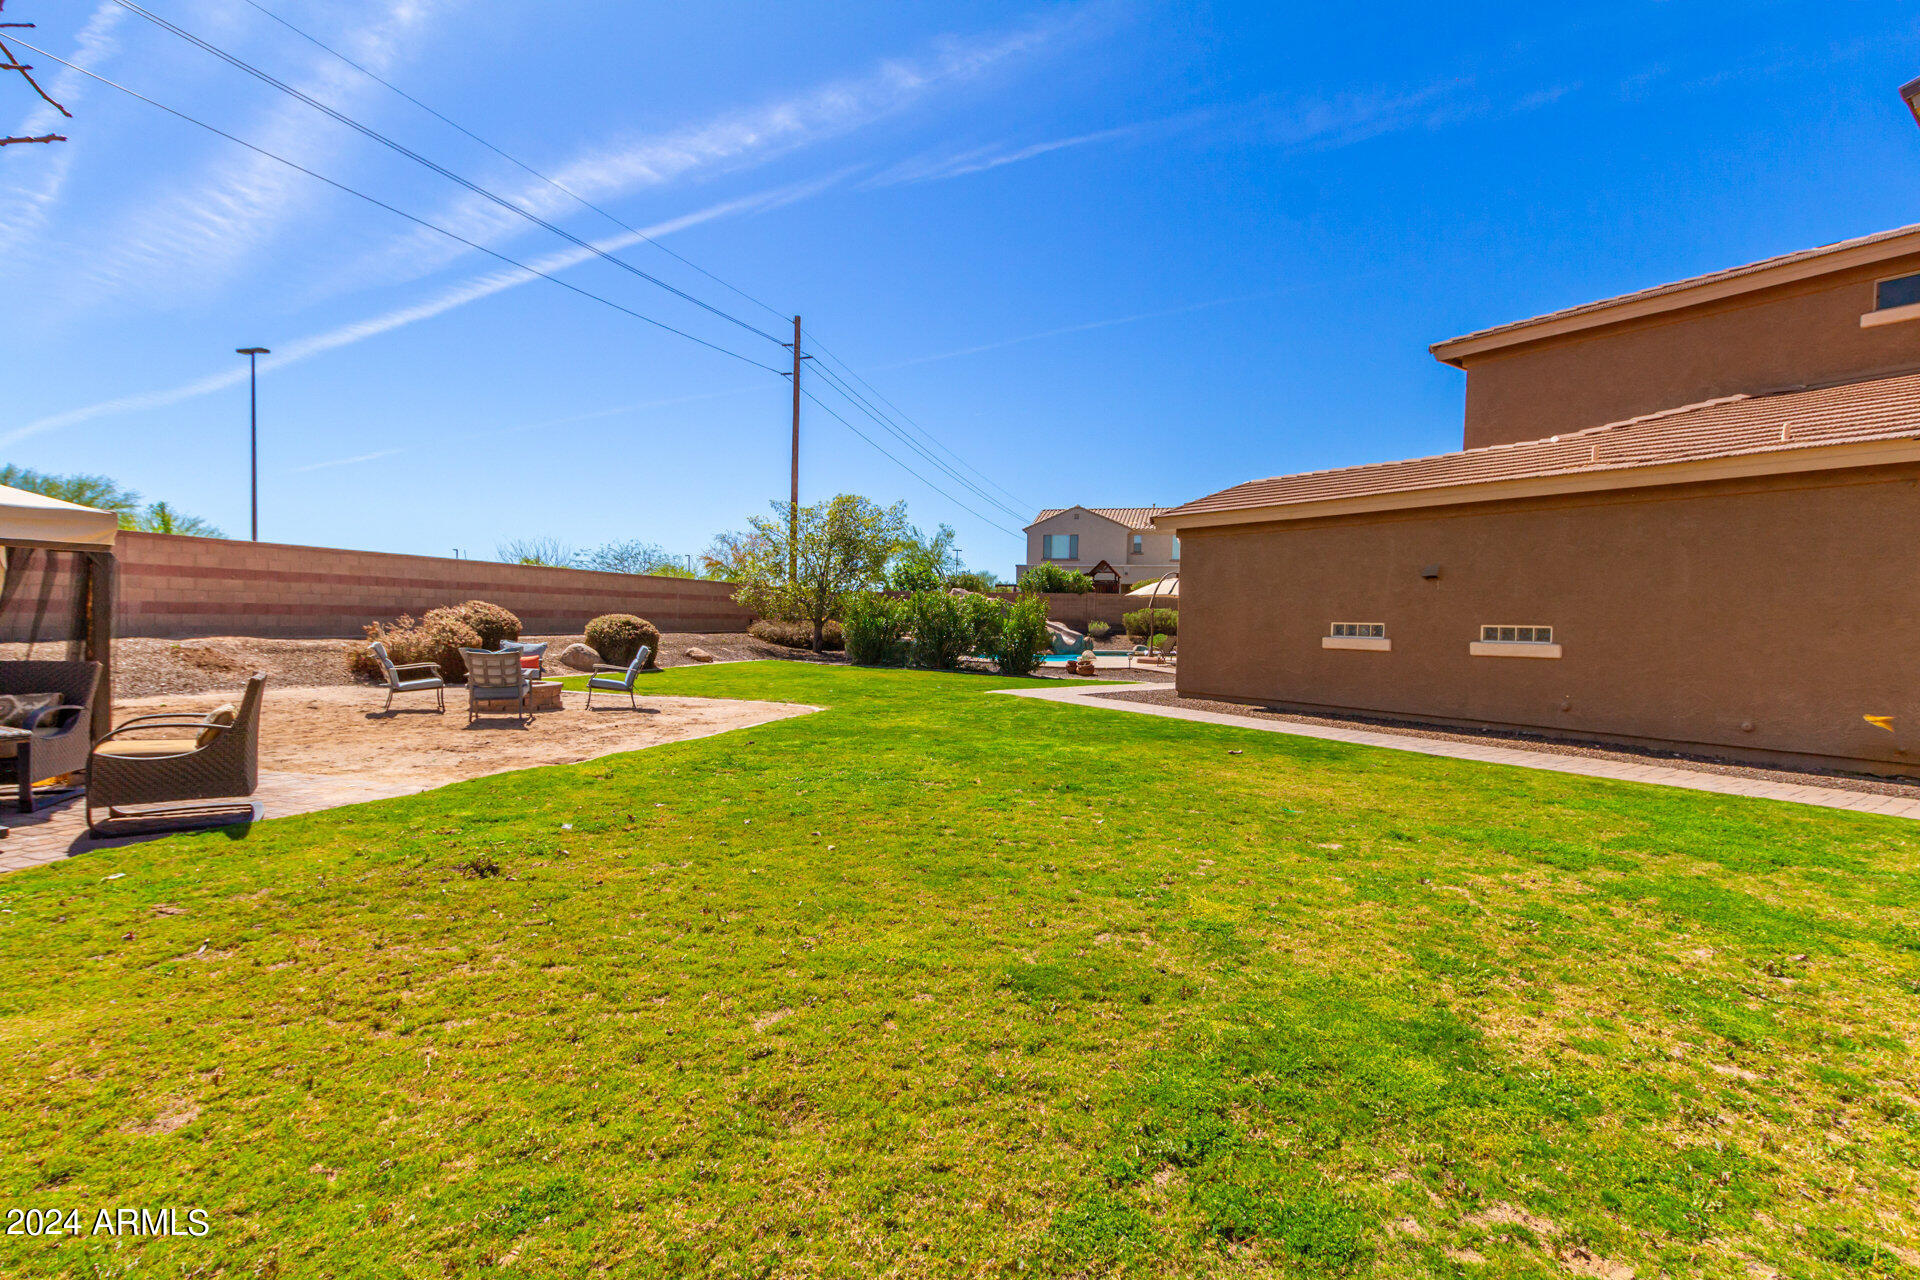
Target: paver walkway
1657,774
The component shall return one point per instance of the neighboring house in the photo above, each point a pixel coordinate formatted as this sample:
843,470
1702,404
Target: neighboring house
1124,537
1686,517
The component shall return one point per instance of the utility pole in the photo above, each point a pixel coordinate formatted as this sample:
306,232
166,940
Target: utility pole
253,355
793,508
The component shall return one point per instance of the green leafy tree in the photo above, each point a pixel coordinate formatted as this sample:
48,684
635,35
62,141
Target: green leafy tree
635,556
973,580
842,546
548,552
161,518
1048,578
922,563
108,495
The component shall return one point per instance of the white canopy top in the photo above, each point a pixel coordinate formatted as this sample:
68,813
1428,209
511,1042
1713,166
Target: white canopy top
1167,588
32,517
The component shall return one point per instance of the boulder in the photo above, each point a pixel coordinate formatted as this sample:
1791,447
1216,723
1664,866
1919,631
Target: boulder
699,655
579,656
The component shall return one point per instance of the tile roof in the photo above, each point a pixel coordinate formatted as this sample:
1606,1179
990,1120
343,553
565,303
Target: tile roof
1691,282
1858,412
1132,517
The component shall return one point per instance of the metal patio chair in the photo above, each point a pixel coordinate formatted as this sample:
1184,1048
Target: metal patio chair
621,683
397,682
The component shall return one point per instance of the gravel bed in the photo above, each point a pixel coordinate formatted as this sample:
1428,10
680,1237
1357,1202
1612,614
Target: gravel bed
1531,742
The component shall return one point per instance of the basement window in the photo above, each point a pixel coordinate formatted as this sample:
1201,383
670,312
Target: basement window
1515,642
1357,635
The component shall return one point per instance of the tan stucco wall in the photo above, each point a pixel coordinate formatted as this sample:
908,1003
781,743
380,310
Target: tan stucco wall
1804,334
1104,539
1792,605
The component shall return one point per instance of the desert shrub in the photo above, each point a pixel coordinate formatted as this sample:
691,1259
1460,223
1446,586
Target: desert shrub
438,637
973,580
493,624
1099,630
616,637
1023,636
947,627
875,628
1041,578
1142,622
797,635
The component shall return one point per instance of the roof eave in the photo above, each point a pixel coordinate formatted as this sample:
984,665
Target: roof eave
1712,287
1864,453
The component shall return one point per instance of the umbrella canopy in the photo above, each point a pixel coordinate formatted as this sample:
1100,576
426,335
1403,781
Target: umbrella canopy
1167,588
31,517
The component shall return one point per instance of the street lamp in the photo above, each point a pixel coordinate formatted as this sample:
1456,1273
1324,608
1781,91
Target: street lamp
1910,91
253,355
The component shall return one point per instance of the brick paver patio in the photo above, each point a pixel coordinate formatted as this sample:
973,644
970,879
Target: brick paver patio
1658,774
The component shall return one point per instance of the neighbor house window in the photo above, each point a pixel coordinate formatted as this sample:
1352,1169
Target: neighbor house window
1139,545
1060,546
1176,548
1357,629
1516,635
1902,291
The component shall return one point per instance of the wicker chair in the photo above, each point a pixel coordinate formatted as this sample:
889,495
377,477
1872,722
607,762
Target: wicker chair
621,683
496,681
397,682
53,740
220,760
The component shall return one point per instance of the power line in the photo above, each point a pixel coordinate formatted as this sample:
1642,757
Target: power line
838,384
419,221
850,372
508,156
402,149
829,410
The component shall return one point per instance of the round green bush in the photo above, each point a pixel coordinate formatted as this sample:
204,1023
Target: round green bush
616,637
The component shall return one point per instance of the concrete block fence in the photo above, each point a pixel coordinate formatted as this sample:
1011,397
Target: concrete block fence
174,586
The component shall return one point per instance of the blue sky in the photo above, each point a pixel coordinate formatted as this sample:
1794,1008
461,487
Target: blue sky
1108,253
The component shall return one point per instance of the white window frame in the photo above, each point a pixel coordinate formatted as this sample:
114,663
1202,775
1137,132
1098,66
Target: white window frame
1880,315
1365,636
1509,640
1137,544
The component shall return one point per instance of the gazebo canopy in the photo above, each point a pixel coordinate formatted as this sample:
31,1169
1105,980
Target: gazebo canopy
31,519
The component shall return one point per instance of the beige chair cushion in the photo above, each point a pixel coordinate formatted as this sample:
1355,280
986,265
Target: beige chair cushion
16,707
219,715
147,747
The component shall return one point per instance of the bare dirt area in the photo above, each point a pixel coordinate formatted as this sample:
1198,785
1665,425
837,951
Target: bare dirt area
343,731
1530,742
144,667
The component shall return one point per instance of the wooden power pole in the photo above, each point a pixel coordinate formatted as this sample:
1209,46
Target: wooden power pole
793,509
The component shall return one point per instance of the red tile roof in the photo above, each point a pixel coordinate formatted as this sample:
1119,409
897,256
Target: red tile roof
1132,517
1677,286
1859,412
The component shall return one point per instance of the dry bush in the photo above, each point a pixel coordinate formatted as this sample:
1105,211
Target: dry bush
437,638
797,635
493,624
616,637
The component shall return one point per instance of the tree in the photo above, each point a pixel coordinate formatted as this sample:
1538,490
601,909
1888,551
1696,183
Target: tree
635,556
548,552
843,546
109,495
727,556
921,563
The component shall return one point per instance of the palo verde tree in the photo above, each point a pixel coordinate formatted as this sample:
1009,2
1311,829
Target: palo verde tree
842,546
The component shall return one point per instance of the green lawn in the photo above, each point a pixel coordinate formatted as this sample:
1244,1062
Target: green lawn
939,982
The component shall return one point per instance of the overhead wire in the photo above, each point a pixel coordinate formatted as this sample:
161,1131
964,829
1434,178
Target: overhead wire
833,413
400,148
393,209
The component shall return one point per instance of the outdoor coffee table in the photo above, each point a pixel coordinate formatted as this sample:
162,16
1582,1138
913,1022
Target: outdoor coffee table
543,695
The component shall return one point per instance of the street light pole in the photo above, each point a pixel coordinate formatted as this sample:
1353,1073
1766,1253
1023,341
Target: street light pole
253,355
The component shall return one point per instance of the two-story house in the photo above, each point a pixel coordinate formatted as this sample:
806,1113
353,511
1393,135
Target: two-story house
1124,537
1688,516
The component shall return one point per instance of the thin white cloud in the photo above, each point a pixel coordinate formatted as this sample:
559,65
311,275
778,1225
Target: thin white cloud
930,168
344,462
729,142
1064,330
471,290
36,180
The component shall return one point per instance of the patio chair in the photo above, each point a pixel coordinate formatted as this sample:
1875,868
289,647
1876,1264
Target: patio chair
211,757
495,683
53,739
399,682
621,683
528,650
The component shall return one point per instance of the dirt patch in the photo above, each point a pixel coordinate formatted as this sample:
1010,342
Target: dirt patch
144,667
176,1115
1533,742
343,731
1507,1215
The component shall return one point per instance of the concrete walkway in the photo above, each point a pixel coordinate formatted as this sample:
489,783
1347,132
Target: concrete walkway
1587,766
